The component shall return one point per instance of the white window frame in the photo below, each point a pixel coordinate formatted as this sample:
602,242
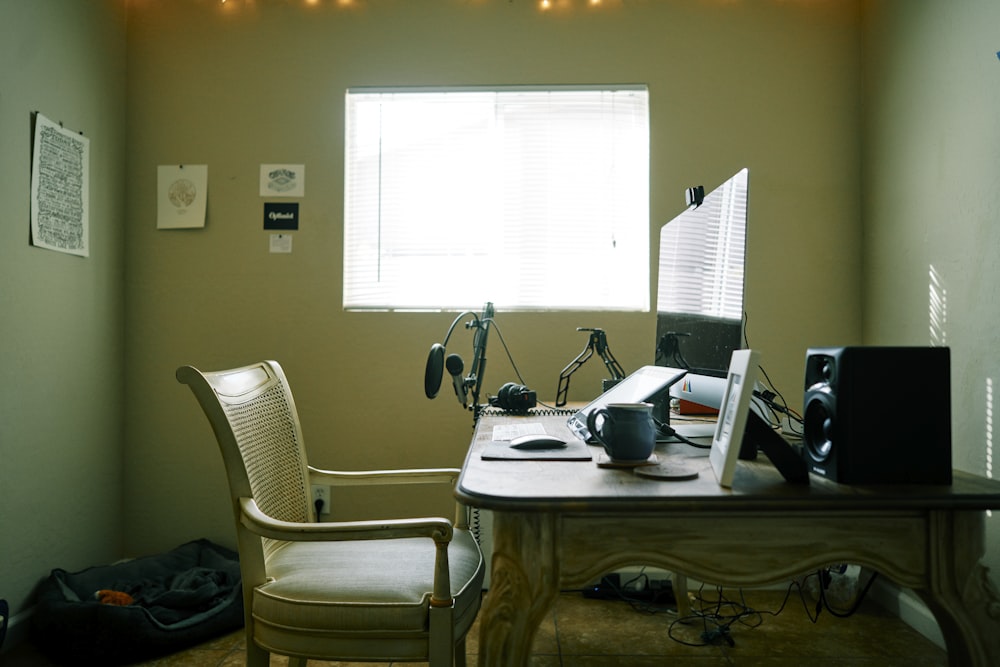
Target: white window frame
449,203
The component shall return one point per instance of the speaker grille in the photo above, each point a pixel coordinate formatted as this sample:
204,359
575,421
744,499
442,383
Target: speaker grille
818,429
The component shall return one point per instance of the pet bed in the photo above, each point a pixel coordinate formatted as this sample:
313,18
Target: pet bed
139,609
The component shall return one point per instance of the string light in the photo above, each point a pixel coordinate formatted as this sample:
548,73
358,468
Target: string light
542,4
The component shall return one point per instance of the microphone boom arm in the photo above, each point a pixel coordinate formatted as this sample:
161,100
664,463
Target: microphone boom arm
598,341
475,378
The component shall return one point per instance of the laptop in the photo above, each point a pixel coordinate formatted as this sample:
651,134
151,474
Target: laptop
640,386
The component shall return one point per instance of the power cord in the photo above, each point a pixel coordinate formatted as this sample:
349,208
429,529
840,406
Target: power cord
318,504
824,603
475,525
510,357
669,431
766,399
640,592
771,399
718,616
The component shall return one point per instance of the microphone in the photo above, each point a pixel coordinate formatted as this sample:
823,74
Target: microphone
456,366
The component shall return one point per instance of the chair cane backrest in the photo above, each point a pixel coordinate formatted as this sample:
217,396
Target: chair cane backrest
253,414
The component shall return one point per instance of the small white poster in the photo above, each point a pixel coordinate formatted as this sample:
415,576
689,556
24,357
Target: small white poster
60,189
282,180
280,243
181,195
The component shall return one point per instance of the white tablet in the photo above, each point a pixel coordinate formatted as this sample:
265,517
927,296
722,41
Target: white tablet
638,387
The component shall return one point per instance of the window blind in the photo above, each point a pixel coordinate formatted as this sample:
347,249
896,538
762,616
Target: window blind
529,198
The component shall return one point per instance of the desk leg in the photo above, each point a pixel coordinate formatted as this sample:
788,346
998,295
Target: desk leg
523,583
964,601
680,585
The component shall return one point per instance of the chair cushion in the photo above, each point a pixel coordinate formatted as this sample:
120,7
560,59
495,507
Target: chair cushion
370,585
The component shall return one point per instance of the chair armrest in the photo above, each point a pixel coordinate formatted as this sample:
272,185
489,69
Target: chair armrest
438,529
372,477
383,477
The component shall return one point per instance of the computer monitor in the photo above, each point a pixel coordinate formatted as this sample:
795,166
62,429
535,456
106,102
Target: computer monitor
699,304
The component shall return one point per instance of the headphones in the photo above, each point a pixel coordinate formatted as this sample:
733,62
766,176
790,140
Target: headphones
513,397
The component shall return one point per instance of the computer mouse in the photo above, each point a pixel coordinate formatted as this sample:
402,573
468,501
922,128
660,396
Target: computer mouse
537,441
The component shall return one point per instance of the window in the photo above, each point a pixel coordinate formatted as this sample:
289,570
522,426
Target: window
529,198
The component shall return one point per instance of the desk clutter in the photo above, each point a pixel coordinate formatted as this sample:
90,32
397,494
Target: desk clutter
504,436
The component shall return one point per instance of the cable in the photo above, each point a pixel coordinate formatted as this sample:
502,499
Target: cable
642,598
779,407
717,618
475,525
670,432
765,399
857,600
506,349
718,615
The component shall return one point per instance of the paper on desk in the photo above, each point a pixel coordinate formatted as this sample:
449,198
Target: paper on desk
511,431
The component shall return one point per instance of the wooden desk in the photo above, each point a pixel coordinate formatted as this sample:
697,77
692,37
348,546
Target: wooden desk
565,523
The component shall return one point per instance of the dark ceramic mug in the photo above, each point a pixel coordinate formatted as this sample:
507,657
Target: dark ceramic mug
626,430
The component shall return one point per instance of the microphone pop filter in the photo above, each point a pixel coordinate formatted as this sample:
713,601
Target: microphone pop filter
434,371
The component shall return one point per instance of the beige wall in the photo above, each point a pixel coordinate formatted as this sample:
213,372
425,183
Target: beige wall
770,85
773,85
932,202
61,316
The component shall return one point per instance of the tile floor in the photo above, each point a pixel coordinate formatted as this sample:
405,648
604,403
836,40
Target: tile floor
582,632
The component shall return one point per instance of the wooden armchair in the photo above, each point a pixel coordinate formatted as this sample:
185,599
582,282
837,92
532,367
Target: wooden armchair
392,590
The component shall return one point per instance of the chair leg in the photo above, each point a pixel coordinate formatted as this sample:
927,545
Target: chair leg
256,656
297,662
440,644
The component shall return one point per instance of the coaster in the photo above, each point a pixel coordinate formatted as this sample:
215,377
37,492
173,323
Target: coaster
604,461
667,470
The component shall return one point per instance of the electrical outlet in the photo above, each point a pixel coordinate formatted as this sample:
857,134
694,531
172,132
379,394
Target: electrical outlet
321,492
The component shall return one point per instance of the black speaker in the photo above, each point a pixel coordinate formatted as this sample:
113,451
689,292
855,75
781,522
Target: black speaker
878,415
